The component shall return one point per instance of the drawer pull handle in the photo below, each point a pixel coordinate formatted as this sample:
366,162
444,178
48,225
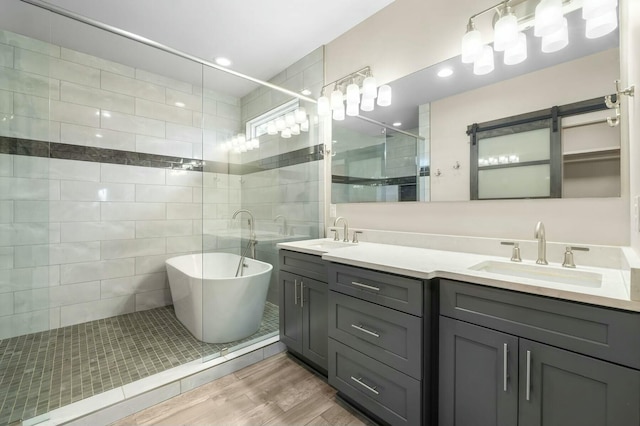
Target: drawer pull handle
528,376
505,366
295,292
364,330
301,294
369,388
368,287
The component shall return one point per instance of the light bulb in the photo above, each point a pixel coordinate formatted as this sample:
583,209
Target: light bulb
295,129
369,88
336,99
548,18
323,106
280,124
556,41
304,126
338,114
242,138
271,128
384,95
367,104
290,119
506,31
255,143
286,133
353,94
471,44
484,64
602,25
595,8
517,53
301,115
352,110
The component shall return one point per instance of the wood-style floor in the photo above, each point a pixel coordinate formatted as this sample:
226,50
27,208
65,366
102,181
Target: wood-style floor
276,391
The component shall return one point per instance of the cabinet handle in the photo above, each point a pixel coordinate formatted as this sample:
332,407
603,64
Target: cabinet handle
295,292
301,294
364,330
368,287
528,375
505,366
361,383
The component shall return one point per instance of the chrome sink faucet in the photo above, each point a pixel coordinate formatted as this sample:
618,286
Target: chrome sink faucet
345,229
542,244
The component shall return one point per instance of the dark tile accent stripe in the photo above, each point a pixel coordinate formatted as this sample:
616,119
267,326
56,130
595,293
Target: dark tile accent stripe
404,180
34,148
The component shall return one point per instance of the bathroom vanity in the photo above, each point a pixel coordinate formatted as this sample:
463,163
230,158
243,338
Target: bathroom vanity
417,336
303,306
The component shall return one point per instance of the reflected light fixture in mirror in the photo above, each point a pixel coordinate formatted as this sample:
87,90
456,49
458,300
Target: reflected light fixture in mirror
349,89
549,23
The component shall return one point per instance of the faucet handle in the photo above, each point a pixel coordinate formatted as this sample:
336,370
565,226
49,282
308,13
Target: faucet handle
568,256
515,254
335,234
355,236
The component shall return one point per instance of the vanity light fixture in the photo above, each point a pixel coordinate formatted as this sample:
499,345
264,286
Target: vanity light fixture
549,23
358,90
239,144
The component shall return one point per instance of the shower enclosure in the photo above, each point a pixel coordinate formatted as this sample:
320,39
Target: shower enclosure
116,155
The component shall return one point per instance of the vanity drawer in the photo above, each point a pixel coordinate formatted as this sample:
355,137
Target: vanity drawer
392,396
384,334
393,291
303,264
604,333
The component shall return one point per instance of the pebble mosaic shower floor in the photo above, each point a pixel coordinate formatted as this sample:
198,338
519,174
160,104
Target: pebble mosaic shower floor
40,372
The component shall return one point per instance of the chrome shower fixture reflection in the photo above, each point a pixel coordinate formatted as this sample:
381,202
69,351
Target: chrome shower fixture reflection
348,90
548,22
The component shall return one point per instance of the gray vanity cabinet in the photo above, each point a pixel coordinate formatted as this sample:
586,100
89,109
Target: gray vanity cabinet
303,306
478,376
492,372
376,335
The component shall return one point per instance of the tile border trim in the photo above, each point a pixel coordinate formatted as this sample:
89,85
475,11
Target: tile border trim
44,149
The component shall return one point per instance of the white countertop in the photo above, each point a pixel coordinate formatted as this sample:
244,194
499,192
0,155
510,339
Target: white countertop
428,263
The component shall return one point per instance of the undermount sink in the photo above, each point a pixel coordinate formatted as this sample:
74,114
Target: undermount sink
325,245
541,272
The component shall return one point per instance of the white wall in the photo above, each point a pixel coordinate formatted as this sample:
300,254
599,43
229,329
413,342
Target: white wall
409,35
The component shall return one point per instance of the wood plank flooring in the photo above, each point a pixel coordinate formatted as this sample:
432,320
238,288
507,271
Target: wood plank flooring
276,391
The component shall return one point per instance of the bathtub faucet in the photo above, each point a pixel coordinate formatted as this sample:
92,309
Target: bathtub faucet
252,236
284,224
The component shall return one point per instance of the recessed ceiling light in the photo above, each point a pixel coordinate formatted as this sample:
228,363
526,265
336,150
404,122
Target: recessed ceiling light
397,124
179,104
306,92
445,72
222,61
98,135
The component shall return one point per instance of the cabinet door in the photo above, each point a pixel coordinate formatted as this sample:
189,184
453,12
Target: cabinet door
315,321
290,311
478,384
564,388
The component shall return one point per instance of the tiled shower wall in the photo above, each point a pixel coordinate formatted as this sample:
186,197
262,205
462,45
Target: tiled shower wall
291,191
82,240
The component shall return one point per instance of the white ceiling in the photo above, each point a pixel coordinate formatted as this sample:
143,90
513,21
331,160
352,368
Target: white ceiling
261,37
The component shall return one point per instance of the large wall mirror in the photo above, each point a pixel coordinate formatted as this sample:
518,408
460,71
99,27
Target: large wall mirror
438,111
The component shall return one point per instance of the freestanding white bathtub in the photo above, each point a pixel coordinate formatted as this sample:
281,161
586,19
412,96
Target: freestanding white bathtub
214,305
